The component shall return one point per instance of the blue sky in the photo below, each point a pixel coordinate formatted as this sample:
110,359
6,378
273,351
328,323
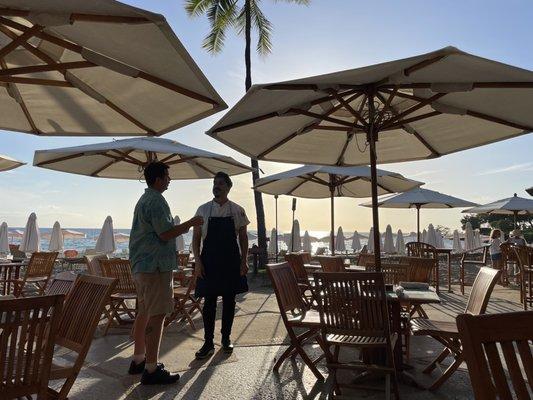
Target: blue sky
327,36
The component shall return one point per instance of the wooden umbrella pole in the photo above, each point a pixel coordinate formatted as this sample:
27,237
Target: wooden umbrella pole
276,248
373,173
332,232
515,213
417,222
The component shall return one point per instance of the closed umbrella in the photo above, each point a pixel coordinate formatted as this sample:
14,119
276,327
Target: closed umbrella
356,243
56,238
319,182
388,242
306,242
510,206
7,163
477,238
371,246
440,239
103,68
400,243
340,244
420,107
469,237
424,236
272,248
295,240
4,242
105,244
180,243
432,236
31,238
457,248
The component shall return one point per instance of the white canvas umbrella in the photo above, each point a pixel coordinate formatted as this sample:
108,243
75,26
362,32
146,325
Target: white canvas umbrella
105,244
356,243
388,242
420,107
4,242
424,236
340,244
79,68
432,236
56,238
295,239
510,206
400,243
306,242
7,163
477,238
272,248
125,159
31,238
440,239
371,246
469,237
180,243
320,182
456,247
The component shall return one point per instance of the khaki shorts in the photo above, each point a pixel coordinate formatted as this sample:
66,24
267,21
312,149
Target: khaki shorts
155,295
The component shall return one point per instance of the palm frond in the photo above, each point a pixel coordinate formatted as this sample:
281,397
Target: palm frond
263,27
221,15
299,2
195,8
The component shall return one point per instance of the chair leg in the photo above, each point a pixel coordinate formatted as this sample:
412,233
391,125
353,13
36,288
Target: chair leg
309,363
449,371
283,357
440,358
112,315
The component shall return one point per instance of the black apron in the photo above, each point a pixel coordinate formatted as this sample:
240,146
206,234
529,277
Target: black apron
221,259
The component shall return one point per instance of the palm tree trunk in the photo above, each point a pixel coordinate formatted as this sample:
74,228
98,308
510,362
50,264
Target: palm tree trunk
258,198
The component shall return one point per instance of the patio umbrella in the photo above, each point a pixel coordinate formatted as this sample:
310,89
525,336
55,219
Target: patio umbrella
456,246
388,241
421,107
295,239
17,233
7,163
510,206
477,238
400,243
371,246
440,239
78,68
272,248
340,245
424,236
432,236
306,242
420,198
105,244
56,238
356,243
320,182
31,238
469,237
180,242
125,159
4,242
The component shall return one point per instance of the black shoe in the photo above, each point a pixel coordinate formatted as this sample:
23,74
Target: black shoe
227,346
136,368
159,377
205,351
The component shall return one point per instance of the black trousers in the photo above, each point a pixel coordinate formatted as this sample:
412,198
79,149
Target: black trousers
209,315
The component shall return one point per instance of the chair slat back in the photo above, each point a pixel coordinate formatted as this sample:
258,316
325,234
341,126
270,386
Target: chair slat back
296,262
41,264
524,256
393,274
353,303
183,259
93,263
331,263
485,338
28,328
421,249
121,270
481,290
365,258
82,310
508,253
286,288
420,269
61,283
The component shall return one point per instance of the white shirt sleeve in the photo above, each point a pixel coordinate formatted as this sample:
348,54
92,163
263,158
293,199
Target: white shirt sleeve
242,218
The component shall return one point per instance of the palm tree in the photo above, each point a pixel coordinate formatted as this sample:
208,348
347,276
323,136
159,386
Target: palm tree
243,15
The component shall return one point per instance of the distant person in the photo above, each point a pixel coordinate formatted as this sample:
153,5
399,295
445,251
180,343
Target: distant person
220,267
153,257
494,249
516,238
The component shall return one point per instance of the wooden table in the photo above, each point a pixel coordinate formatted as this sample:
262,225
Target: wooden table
448,254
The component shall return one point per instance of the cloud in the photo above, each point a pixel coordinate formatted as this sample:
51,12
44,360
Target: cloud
528,166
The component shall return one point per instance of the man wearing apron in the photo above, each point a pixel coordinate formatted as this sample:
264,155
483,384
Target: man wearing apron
220,267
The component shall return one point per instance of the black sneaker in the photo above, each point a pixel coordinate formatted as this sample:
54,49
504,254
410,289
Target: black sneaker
136,368
159,377
227,346
205,351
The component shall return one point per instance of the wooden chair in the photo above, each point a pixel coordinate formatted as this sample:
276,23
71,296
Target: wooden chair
478,257
295,314
124,290
524,255
28,329
446,332
62,283
9,275
331,263
296,261
183,259
37,273
93,263
509,260
365,258
393,273
354,313
185,303
81,313
420,270
16,253
424,250
481,335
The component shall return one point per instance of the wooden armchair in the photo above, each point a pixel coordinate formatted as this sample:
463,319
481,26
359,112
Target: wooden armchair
354,313
331,263
185,304
478,257
481,335
93,263
62,283
295,314
296,261
424,250
124,290
446,332
16,253
524,255
9,275
364,258
37,273
28,329
509,260
393,273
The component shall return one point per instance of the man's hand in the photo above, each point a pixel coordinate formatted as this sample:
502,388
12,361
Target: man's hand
244,267
196,221
199,270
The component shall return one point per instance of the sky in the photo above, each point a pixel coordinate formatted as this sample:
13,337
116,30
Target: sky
326,36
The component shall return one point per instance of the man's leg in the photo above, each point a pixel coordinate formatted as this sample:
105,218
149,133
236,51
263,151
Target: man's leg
228,314
139,327
209,315
153,333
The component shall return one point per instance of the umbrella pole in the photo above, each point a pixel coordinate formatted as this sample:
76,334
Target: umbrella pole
371,137
332,232
418,222
292,231
276,247
515,214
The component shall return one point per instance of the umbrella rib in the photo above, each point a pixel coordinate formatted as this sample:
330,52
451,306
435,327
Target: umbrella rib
169,157
115,160
63,158
179,161
10,12
203,167
127,156
325,118
46,68
410,120
422,103
348,107
16,42
289,193
230,162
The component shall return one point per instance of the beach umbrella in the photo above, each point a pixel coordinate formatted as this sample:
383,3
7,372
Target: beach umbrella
440,239
306,243
126,158
424,236
17,233
477,238
510,206
102,68
320,182
340,244
416,108
457,248
121,237
272,248
432,236
180,243
295,239
356,243
400,243
7,163
469,237
371,246
388,241
72,234
105,244
56,238
420,198
4,242
31,238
